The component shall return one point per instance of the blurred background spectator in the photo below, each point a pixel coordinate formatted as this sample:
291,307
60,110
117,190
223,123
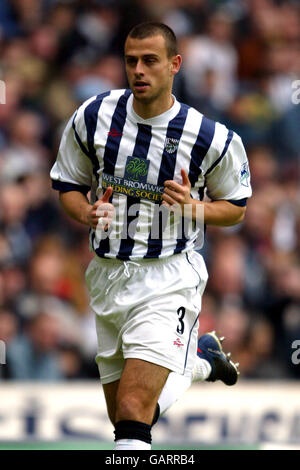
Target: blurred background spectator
240,59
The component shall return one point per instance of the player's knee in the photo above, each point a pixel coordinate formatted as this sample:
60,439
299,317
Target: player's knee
129,407
133,406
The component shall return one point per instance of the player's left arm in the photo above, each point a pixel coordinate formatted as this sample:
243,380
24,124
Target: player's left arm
223,213
227,180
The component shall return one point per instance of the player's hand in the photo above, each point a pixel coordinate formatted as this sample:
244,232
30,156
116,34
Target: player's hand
102,212
176,196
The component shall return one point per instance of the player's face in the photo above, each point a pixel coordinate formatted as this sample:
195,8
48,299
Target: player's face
149,70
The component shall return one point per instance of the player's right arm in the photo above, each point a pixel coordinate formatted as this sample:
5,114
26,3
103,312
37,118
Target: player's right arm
77,206
72,176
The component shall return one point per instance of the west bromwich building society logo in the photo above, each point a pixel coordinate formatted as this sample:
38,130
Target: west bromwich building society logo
137,168
134,183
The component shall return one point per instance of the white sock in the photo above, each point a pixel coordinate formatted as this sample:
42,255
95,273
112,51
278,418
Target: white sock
131,444
177,384
174,387
201,371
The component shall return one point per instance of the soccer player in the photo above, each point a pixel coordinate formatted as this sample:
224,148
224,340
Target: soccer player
147,160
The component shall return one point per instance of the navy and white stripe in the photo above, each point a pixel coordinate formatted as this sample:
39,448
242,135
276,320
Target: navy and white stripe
216,162
91,120
105,131
166,172
141,149
199,150
111,152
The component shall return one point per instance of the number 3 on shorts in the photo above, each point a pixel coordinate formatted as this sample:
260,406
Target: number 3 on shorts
181,314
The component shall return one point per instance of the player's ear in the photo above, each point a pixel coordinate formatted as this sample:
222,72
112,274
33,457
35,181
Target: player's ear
175,64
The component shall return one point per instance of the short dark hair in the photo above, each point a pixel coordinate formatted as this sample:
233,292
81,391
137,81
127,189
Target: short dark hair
153,28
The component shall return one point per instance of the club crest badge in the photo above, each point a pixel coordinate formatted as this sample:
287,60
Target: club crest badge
245,175
171,144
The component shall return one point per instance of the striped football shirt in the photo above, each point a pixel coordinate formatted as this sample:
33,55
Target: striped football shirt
105,143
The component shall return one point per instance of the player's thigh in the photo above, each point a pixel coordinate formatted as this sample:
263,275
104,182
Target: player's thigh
110,393
142,380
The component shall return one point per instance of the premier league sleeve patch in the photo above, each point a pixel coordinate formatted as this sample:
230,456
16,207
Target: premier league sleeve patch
245,175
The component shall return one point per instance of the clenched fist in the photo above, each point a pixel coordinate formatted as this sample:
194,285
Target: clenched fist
102,212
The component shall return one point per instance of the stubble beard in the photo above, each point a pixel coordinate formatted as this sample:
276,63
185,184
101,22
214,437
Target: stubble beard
152,98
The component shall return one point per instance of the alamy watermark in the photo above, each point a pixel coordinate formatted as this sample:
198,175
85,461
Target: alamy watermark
161,222
2,92
2,352
296,354
296,93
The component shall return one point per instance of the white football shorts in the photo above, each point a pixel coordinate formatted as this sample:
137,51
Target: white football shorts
146,310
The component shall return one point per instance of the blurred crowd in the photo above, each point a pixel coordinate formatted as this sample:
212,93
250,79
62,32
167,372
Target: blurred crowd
240,60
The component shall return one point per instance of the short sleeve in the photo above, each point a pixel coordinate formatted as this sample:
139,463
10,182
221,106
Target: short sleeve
73,169
229,177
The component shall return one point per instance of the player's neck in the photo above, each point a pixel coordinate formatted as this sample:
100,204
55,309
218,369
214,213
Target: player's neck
157,107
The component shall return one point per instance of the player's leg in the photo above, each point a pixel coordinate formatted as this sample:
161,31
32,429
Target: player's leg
220,367
177,384
191,287
139,388
110,393
211,364
210,361
163,329
173,389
